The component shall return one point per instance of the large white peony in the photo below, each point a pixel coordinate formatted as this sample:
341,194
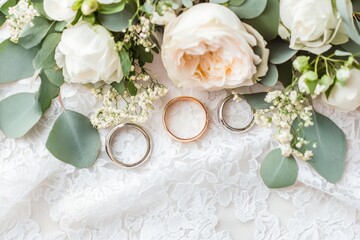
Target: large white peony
60,10
311,25
346,98
208,47
87,54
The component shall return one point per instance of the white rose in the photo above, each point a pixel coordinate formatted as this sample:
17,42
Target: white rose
311,25
346,98
209,47
87,54
168,16
60,10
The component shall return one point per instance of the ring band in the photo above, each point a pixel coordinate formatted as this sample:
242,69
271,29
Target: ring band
181,99
225,124
109,140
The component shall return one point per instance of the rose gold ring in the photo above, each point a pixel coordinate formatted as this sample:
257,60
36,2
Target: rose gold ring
185,99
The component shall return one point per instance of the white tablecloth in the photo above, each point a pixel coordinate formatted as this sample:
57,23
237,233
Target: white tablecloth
209,189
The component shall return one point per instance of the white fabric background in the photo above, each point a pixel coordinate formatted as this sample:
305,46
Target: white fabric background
210,189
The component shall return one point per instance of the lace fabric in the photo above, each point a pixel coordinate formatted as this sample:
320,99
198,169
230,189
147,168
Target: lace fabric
209,189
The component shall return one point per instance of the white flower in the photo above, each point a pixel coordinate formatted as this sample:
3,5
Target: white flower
208,47
60,10
311,25
87,55
167,17
343,74
346,96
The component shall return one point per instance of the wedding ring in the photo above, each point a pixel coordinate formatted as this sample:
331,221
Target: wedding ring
188,99
225,124
109,140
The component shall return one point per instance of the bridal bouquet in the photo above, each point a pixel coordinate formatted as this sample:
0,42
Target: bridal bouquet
300,50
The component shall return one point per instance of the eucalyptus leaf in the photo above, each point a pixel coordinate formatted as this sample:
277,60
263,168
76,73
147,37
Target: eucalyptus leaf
18,114
125,62
250,9
280,51
111,8
2,18
7,4
34,35
285,73
352,47
117,22
15,62
257,100
45,57
278,171
330,152
271,76
73,140
132,89
47,93
60,26
236,2
267,23
347,17
340,53
56,77
119,87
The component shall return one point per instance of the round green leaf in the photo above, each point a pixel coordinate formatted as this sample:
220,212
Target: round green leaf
18,114
236,2
271,76
73,140
257,100
118,21
285,73
55,76
267,23
47,92
280,51
15,62
45,57
330,152
278,171
111,8
250,9
35,34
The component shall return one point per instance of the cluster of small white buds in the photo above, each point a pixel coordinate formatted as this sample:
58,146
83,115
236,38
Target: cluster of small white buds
20,17
285,108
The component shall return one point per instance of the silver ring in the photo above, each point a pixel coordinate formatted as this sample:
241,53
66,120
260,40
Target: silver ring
109,140
225,124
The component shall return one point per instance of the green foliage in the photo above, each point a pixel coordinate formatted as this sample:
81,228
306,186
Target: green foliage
236,2
132,89
267,23
45,57
32,36
285,73
47,93
20,66
257,100
73,140
126,62
348,20
111,8
330,152
56,77
2,18
249,9
119,21
278,171
280,51
271,76
120,87
18,114
187,3
5,7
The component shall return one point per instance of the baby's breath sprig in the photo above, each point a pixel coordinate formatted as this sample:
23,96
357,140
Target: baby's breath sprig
20,17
